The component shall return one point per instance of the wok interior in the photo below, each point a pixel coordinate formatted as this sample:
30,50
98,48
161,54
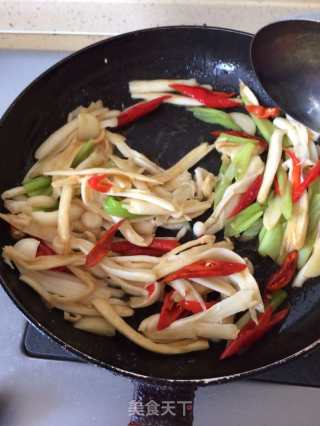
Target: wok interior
215,56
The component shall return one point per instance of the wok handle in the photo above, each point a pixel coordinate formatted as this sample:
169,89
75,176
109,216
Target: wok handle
161,405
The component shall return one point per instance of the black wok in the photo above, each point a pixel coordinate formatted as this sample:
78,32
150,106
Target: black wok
102,71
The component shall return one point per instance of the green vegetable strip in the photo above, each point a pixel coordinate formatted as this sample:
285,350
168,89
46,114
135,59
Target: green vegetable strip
253,230
287,202
44,191
278,298
314,218
286,191
314,189
224,181
243,220
264,126
224,137
38,185
271,240
242,159
215,116
113,207
262,233
85,150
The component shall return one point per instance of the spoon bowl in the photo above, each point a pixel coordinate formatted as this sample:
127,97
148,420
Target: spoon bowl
286,58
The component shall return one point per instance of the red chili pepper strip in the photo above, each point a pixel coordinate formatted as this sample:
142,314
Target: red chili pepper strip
263,112
44,250
157,248
252,332
296,174
284,275
194,306
100,183
194,91
248,335
248,197
311,176
242,134
170,312
206,268
278,317
276,186
102,246
211,99
150,289
140,110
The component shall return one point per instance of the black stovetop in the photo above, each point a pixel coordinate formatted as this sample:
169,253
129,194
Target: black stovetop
304,371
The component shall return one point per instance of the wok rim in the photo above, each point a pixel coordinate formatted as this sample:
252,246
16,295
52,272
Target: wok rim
113,369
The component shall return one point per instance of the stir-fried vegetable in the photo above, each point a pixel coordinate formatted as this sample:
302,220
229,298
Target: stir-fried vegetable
140,110
247,197
243,220
37,186
212,99
102,247
271,241
206,268
253,332
115,208
157,247
263,112
226,175
85,150
238,137
311,176
282,278
242,159
68,209
264,125
215,116
100,183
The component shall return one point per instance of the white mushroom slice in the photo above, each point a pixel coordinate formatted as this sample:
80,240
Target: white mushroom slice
142,86
248,94
297,226
64,219
187,291
312,268
173,99
95,325
245,122
141,160
27,247
13,192
218,284
107,311
185,163
273,160
102,171
137,194
18,206
149,299
88,126
42,263
56,139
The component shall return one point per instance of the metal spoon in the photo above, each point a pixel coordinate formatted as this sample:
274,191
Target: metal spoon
286,58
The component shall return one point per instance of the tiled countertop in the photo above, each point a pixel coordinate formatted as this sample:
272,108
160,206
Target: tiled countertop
70,24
